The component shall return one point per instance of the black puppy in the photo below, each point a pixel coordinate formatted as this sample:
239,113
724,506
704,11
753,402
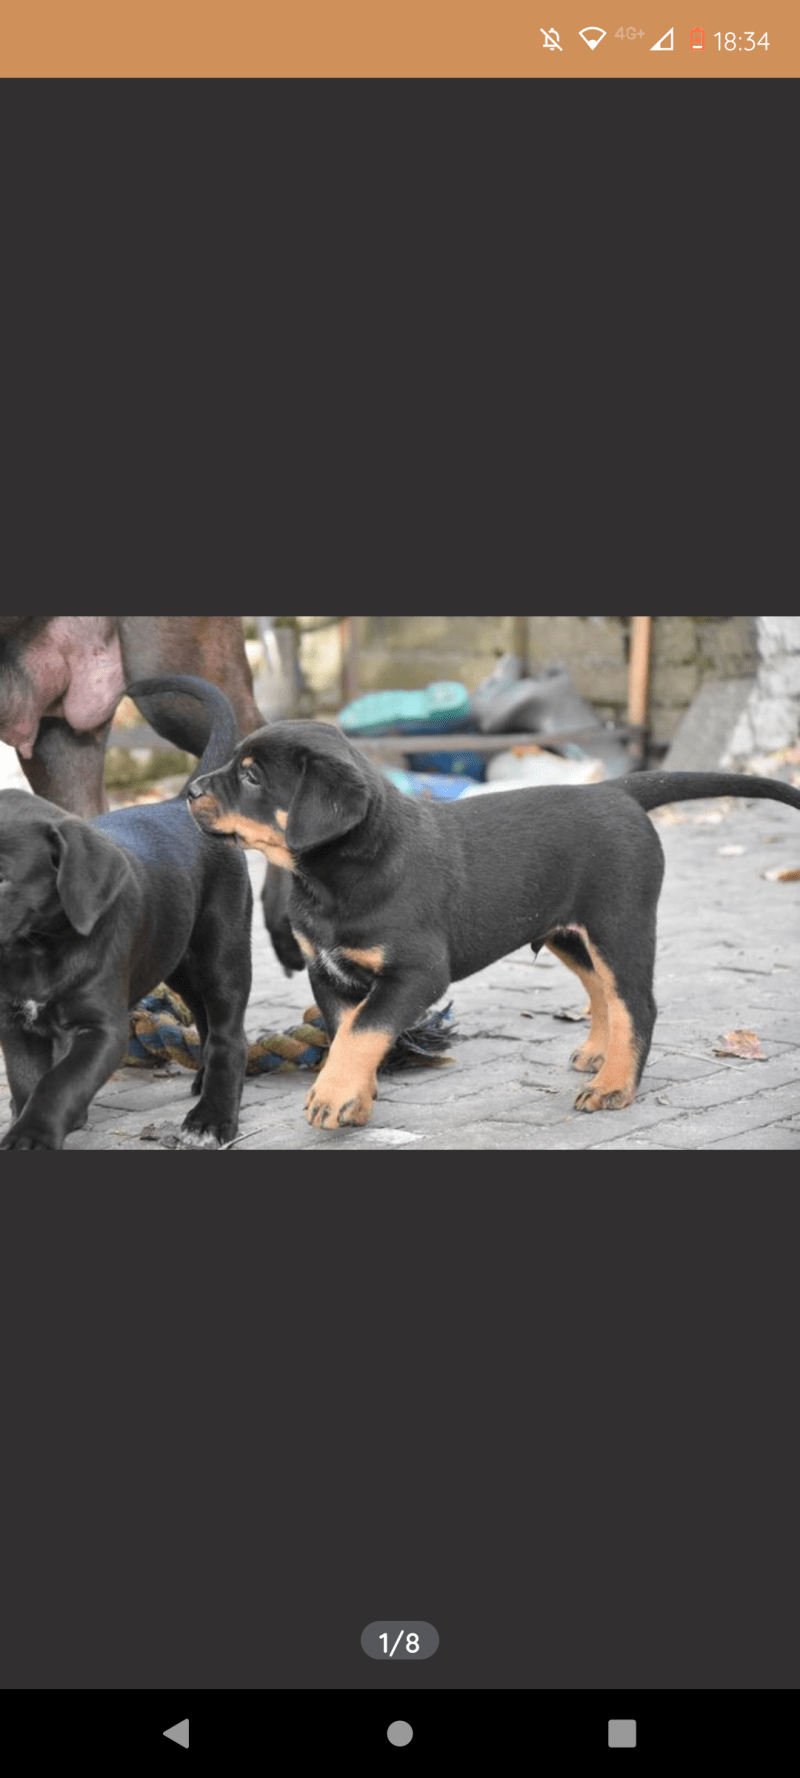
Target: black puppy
93,915
393,899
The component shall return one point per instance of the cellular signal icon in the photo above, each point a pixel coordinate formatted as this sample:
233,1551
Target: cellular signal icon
592,35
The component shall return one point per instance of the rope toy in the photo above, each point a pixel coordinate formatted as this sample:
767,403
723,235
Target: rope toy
162,1031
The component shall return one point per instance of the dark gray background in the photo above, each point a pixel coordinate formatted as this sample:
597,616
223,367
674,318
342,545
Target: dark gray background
249,1409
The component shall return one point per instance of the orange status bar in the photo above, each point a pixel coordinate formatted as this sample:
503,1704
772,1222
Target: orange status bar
399,39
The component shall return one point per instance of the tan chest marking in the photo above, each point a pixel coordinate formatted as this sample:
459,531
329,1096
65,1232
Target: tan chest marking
259,837
373,959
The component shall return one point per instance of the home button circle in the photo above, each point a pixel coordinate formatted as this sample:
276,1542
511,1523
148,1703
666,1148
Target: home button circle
401,1734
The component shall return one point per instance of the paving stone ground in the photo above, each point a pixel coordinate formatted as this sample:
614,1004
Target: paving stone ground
729,958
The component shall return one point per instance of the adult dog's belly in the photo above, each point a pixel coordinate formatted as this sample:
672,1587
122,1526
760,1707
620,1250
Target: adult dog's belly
72,670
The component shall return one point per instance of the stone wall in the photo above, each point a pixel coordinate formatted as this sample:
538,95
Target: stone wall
413,651
772,718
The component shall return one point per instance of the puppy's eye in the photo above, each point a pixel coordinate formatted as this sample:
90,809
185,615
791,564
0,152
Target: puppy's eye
249,776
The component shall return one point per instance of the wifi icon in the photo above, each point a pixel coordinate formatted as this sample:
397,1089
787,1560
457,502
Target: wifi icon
592,35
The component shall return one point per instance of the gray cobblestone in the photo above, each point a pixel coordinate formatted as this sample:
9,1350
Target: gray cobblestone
769,1136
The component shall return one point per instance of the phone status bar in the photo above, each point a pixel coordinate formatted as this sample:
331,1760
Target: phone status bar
738,38
404,39
696,41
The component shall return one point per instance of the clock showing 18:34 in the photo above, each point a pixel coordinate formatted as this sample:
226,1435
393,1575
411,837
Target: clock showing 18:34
747,40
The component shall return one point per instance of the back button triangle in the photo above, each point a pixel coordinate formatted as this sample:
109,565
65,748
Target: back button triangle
180,1734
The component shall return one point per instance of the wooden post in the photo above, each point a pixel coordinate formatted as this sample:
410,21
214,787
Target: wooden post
639,693
349,639
521,642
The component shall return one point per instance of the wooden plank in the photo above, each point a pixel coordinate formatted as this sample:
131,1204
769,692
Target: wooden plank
387,746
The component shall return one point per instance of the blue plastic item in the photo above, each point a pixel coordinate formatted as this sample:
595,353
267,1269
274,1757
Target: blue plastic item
450,765
441,709
428,786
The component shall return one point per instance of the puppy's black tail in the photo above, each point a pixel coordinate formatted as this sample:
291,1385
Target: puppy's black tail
191,714
424,1045
651,790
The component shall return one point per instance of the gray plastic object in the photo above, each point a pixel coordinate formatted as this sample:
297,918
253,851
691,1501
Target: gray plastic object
545,705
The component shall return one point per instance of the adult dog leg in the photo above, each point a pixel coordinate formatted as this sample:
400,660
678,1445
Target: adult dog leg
69,769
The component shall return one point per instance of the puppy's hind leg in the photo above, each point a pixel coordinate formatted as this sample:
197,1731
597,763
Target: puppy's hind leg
624,966
219,1004
570,949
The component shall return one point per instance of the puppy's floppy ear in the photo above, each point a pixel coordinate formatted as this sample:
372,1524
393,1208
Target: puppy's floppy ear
91,872
331,799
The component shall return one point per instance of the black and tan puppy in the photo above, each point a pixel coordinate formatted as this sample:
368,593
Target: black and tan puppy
94,915
393,899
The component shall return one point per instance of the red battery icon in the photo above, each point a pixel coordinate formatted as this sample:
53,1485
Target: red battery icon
698,39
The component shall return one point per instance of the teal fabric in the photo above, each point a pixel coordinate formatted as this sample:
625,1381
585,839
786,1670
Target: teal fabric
441,709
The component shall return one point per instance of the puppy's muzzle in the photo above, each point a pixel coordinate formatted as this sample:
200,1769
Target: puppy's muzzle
204,807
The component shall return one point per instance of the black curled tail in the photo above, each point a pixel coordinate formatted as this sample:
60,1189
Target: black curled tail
191,714
652,790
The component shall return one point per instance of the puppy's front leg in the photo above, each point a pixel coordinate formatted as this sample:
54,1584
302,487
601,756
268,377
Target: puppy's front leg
60,1101
345,1091
28,1059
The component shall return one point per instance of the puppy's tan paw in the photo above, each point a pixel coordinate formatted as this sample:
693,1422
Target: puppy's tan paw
588,1061
591,1099
329,1107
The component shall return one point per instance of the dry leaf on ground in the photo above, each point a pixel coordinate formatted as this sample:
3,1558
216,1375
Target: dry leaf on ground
744,1044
